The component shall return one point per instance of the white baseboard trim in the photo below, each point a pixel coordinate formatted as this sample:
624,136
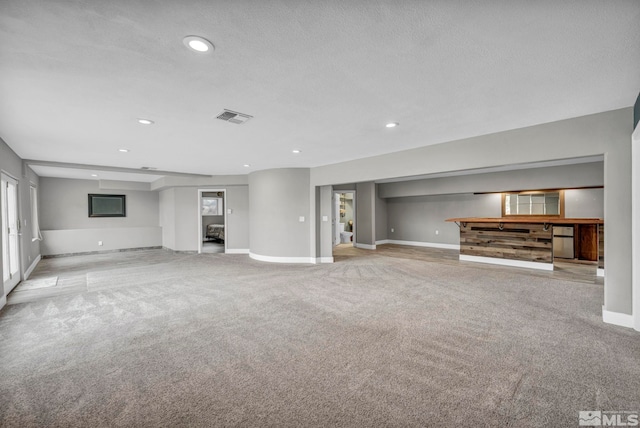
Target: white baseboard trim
273,259
420,244
600,272
617,318
507,262
237,251
3,301
30,269
324,260
364,246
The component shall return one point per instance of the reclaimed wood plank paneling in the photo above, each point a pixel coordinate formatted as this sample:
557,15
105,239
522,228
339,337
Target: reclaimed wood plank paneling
601,246
516,241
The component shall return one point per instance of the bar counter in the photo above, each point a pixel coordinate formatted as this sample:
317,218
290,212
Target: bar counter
527,241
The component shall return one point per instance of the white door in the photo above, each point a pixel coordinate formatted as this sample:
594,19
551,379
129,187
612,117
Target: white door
10,226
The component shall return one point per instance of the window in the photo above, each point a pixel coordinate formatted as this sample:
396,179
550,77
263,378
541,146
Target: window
35,223
212,206
543,203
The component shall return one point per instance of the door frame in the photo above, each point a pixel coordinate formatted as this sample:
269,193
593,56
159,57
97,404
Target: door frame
199,222
335,220
5,177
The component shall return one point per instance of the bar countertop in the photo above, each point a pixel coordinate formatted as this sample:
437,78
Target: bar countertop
527,220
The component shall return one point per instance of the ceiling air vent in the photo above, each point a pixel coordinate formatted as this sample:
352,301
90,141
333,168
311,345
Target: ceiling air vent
234,117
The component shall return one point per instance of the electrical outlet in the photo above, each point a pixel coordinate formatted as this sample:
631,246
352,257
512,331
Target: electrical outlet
301,219
392,230
325,218
437,232
99,243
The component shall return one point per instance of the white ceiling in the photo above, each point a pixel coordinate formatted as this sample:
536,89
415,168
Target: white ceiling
323,77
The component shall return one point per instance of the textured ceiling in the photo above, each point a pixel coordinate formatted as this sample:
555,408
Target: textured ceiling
323,77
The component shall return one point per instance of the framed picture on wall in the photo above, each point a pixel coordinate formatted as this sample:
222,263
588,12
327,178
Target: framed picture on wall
107,205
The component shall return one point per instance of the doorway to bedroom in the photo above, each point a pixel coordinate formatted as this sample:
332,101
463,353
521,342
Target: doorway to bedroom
212,221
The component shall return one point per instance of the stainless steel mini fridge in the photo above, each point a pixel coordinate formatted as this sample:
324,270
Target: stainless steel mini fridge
563,242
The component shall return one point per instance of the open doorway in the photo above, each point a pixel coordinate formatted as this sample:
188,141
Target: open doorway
212,221
344,218
10,227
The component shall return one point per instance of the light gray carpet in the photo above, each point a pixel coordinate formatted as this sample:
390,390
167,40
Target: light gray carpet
37,283
221,340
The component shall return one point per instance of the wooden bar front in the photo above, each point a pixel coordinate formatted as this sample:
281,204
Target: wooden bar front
528,239
515,241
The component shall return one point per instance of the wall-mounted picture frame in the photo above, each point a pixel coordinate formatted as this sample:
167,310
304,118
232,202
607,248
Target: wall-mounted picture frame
107,205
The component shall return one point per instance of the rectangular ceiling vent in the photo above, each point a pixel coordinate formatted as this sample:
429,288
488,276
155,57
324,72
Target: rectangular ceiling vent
234,117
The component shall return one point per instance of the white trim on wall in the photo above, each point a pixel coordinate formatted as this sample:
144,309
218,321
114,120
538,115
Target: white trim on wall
324,260
617,318
507,262
236,250
273,259
364,246
30,269
3,301
419,244
600,272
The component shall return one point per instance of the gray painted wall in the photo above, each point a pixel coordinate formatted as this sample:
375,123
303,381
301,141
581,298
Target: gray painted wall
585,203
607,133
417,218
381,217
278,197
366,213
324,248
566,176
180,216
67,228
12,165
167,217
64,206
238,220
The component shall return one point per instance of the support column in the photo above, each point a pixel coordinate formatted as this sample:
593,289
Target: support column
366,215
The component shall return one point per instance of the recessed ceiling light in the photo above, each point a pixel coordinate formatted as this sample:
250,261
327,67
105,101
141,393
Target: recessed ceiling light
123,150
198,44
392,124
296,151
94,175
246,165
145,122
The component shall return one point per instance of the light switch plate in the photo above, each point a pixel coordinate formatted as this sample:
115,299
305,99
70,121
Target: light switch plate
325,218
301,219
